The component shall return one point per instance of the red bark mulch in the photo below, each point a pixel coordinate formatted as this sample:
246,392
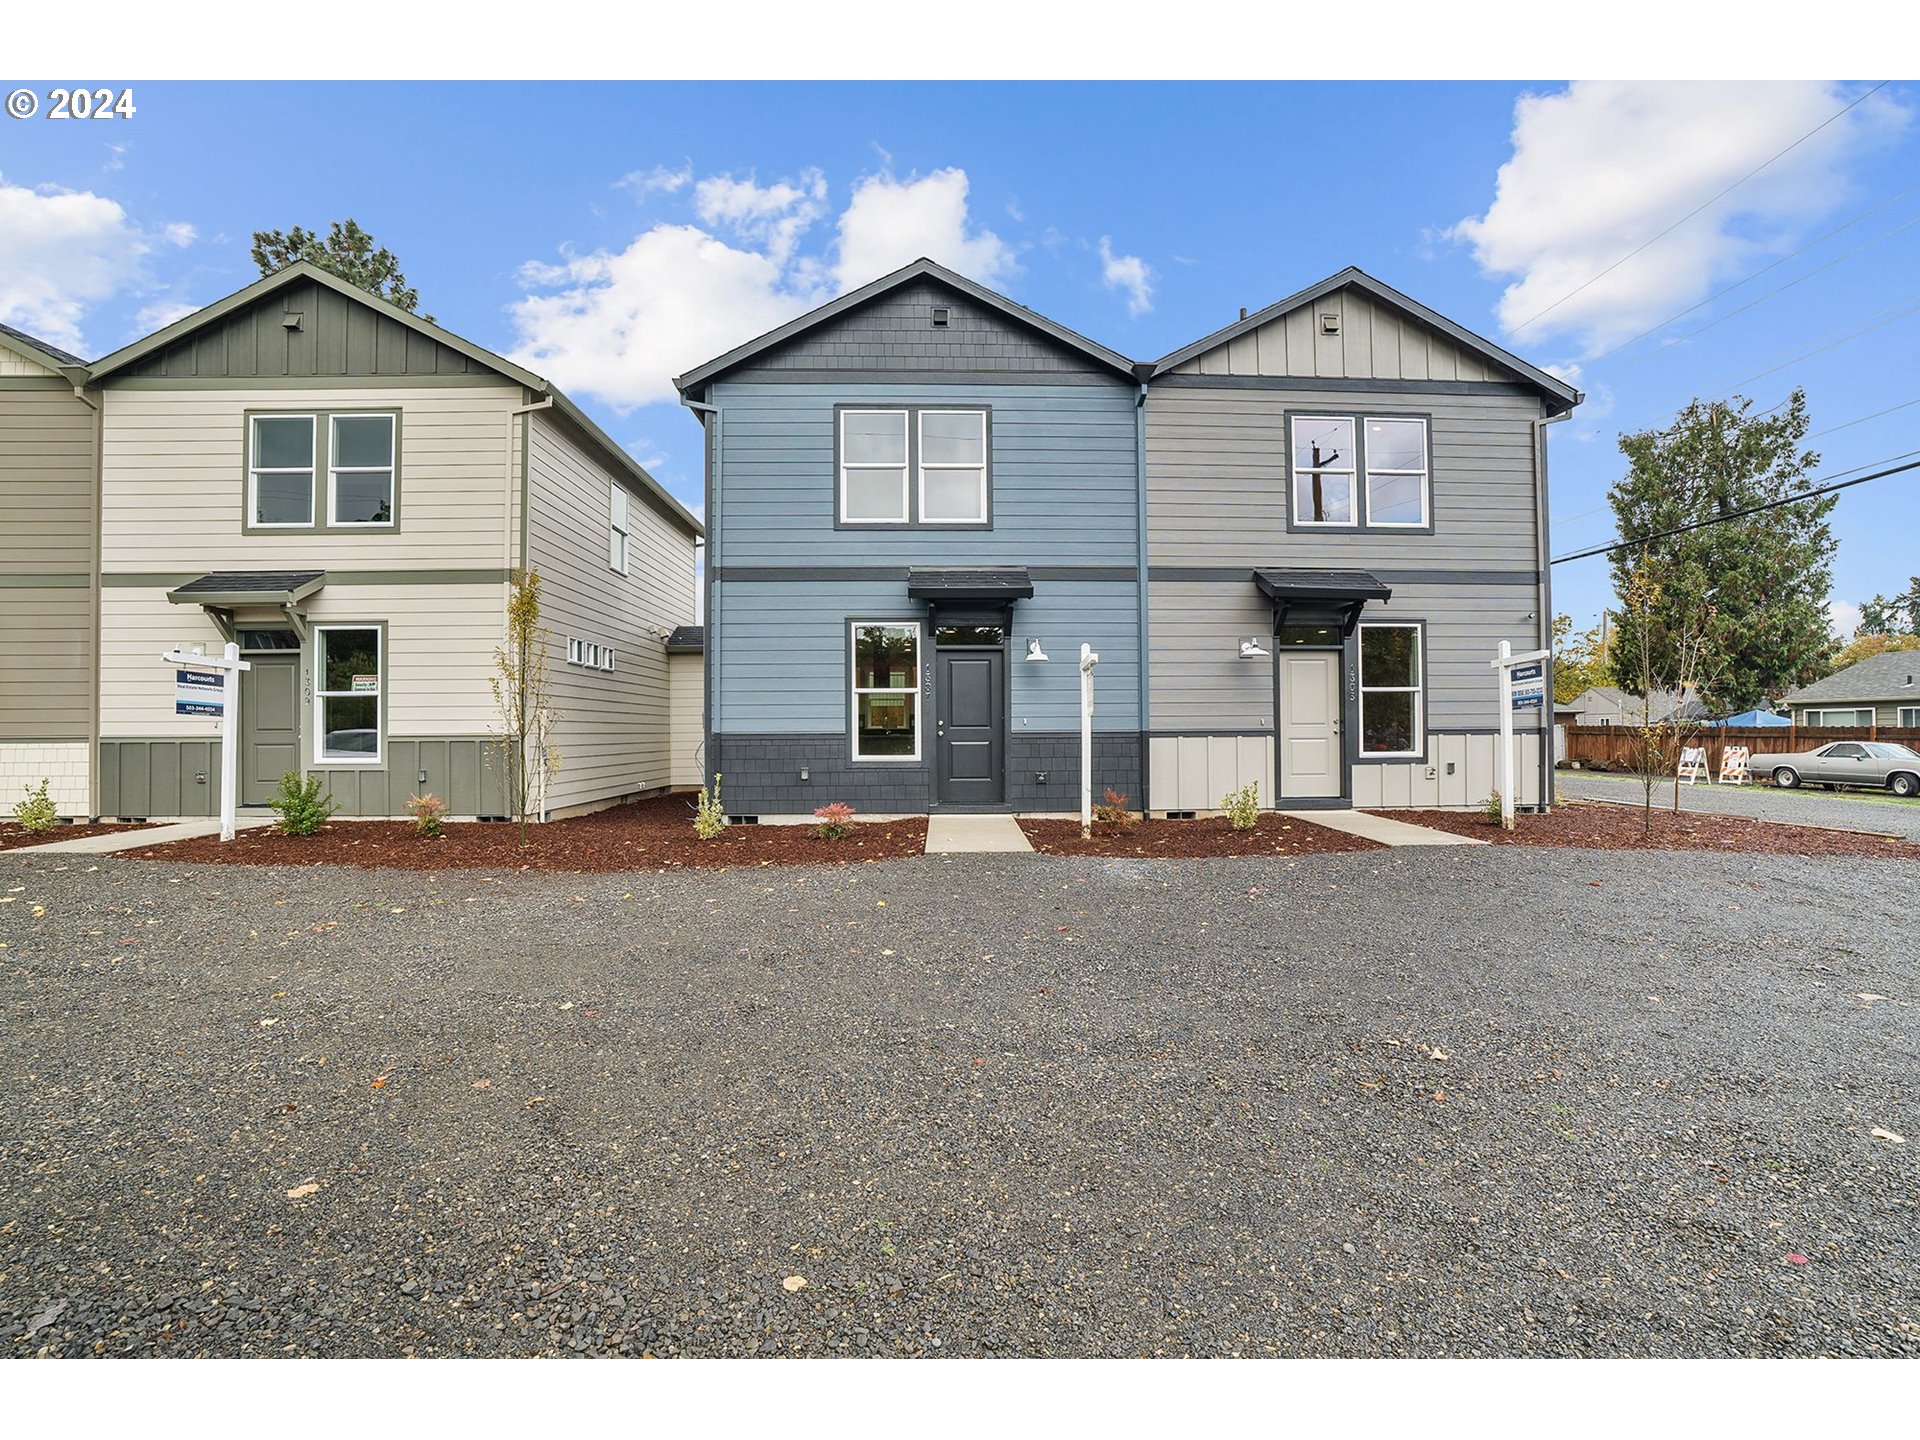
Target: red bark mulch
14,837
1599,826
1276,834
655,834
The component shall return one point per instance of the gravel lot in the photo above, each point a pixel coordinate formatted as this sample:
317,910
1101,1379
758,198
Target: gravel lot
1478,1101
1847,810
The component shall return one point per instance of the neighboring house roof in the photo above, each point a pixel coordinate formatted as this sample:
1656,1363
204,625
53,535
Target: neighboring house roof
1892,676
305,270
1612,700
687,640
922,268
1560,395
40,350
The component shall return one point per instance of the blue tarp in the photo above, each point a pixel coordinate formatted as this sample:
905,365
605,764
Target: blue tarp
1746,719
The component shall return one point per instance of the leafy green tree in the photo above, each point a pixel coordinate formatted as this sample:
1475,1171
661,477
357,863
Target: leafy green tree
1579,661
348,251
1899,615
1865,647
1754,587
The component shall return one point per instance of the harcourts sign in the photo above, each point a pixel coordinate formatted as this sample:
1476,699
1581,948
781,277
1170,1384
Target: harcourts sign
199,692
1529,686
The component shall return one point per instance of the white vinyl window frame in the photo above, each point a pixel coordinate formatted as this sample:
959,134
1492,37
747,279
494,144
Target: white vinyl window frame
391,470
924,466
904,466
618,535
321,695
1424,473
911,687
256,470
1908,716
1833,717
1417,689
1349,467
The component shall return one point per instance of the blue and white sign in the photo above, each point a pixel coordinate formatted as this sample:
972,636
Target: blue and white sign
1529,684
1534,699
1520,674
199,692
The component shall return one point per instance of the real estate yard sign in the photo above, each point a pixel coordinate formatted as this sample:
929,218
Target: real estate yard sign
1529,686
199,692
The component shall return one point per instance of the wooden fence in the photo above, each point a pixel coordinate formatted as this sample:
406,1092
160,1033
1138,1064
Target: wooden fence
1617,747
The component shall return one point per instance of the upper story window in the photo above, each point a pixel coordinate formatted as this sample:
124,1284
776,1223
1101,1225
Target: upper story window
907,465
1357,472
617,528
357,452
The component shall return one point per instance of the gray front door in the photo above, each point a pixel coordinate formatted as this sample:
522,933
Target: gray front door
269,724
969,749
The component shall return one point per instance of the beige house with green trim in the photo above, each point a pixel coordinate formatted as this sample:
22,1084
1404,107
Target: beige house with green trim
345,490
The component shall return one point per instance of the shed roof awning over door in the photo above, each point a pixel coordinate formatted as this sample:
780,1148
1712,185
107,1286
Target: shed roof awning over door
997,585
1306,597
225,589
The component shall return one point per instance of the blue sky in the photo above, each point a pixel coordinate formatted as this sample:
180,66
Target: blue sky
614,234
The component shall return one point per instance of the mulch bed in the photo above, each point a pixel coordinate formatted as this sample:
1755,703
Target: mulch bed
13,837
655,834
1600,826
1194,839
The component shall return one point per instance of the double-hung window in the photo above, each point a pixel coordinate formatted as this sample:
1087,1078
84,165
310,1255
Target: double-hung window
873,467
349,683
953,467
617,528
360,470
886,691
1356,472
1392,704
280,471
1910,717
323,471
908,465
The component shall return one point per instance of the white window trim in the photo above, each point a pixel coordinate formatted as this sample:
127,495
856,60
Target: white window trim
1417,690
905,467
311,470
912,687
320,696
1908,717
1351,470
1818,718
391,470
920,427
619,535
1425,473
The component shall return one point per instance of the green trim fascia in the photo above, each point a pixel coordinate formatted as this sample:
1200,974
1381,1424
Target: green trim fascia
173,579
306,382
33,382
62,580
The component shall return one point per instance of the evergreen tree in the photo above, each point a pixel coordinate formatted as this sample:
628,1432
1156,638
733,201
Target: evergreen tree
1756,586
348,251
1898,615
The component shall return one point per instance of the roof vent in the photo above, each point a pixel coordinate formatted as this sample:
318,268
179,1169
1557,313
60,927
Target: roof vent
292,319
942,317
1243,312
1329,323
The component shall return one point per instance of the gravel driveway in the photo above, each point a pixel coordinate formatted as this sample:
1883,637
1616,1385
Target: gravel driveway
1844,809
1477,1101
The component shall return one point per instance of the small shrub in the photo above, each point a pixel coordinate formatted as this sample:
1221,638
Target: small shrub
710,816
836,821
37,813
1243,805
1114,809
429,814
300,806
1490,808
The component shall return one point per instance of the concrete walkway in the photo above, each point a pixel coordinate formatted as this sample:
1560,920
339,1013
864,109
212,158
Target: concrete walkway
118,840
1371,826
975,835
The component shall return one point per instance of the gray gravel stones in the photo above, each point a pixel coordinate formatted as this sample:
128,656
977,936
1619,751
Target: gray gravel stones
1837,809
1416,1102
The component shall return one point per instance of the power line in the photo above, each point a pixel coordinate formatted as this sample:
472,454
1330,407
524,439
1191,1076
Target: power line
1540,315
1793,499
1849,424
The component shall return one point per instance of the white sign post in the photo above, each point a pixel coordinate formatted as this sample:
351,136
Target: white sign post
195,692
1087,661
1523,686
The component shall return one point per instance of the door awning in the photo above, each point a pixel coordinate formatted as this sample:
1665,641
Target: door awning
1309,597
998,585
225,589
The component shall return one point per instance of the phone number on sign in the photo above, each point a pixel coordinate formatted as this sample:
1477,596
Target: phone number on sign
81,103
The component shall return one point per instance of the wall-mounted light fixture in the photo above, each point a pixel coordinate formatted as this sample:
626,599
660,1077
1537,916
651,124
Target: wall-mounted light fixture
1034,652
1252,649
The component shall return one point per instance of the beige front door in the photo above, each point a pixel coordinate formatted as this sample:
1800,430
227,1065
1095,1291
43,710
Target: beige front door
1309,724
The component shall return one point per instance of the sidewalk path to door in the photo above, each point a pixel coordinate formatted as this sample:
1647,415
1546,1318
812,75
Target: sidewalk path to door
975,834
1372,826
141,838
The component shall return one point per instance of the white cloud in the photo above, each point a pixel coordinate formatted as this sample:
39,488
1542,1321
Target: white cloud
1605,166
61,253
620,325
179,234
1843,617
158,314
657,181
1129,273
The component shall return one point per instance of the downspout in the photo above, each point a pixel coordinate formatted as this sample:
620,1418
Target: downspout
520,414
1140,590
1546,595
710,651
93,585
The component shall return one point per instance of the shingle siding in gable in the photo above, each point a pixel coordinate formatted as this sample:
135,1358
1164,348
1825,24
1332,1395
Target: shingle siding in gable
896,332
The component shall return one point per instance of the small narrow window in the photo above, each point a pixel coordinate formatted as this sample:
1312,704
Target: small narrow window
609,658
280,471
360,470
617,533
886,692
873,467
1396,472
348,685
573,651
1391,718
1323,470
953,467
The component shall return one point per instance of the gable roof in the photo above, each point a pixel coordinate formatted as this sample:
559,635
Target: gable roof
1878,677
40,350
303,270
1560,395
922,268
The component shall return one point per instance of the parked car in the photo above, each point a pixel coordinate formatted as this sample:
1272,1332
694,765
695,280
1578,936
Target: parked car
1869,764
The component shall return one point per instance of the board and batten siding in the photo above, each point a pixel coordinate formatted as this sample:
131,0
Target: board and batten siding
615,732
1375,342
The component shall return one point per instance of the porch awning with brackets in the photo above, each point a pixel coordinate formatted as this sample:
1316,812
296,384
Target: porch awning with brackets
1320,597
226,589
998,585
